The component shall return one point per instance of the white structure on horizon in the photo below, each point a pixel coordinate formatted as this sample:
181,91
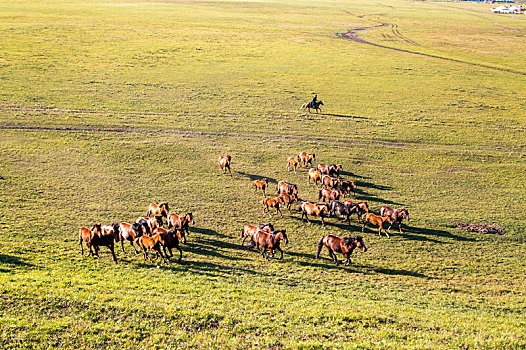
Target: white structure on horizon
507,9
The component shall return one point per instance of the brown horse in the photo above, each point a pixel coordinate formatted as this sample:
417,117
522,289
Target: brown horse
152,223
285,187
343,245
361,204
160,209
314,176
288,199
334,169
272,203
313,209
270,241
129,232
171,240
152,244
396,215
250,230
330,182
330,195
178,232
224,164
261,185
180,221
306,158
293,162
376,220
324,169
348,186
86,235
107,236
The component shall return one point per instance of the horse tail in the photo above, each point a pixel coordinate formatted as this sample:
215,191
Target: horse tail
320,245
319,195
242,232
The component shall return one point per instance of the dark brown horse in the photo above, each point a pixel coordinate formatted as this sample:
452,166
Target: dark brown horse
334,169
152,223
178,232
343,245
313,209
270,241
107,236
396,215
348,186
261,185
224,164
171,240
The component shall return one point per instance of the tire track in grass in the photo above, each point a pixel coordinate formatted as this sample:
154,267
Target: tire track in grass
352,35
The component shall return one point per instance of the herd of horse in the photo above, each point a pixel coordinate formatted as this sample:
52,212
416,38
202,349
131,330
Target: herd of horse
150,235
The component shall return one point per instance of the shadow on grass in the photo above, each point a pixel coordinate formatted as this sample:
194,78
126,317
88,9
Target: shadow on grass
344,116
420,234
350,173
367,184
11,262
254,177
361,195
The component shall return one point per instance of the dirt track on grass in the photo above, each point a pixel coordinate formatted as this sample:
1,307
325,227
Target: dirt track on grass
353,36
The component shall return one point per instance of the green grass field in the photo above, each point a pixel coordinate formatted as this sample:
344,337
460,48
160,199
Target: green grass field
108,106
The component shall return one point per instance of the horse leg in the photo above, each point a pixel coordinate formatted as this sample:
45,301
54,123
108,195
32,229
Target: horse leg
278,210
122,244
180,253
136,252
263,253
333,256
322,222
81,247
112,249
281,251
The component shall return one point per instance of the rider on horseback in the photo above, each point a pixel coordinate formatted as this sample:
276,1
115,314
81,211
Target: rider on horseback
314,100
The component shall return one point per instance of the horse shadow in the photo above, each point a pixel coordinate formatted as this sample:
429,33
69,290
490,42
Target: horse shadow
350,173
367,197
207,232
422,232
367,184
254,177
344,116
206,268
13,261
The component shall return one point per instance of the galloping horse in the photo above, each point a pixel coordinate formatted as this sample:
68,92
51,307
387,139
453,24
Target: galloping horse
345,210
324,169
313,209
107,236
306,158
171,240
288,199
285,187
334,169
153,244
250,230
348,186
130,232
361,204
272,203
330,182
224,164
376,220
314,175
316,105
86,235
261,184
270,241
152,223
341,245
160,209
329,194
293,162
178,232
180,221
397,215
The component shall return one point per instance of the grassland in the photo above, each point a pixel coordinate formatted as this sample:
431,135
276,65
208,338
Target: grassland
107,106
